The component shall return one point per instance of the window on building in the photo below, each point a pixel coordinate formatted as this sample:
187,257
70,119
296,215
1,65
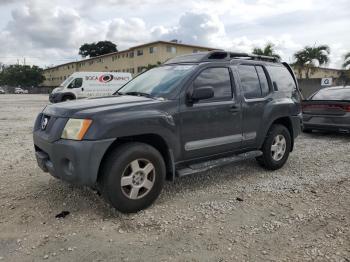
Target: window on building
152,49
132,71
195,51
123,55
219,79
139,52
171,49
249,81
140,69
131,54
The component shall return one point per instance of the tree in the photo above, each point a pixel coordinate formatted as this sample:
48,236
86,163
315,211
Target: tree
150,66
97,49
311,57
346,60
21,75
268,50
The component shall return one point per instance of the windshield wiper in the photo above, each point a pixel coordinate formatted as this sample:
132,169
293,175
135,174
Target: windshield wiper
118,93
136,93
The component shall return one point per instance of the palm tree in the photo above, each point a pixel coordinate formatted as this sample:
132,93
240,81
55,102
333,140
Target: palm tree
268,50
346,60
311,57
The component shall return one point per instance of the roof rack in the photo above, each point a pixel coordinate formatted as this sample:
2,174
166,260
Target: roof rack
218,55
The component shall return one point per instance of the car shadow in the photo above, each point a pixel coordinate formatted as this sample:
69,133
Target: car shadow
83,200
327,134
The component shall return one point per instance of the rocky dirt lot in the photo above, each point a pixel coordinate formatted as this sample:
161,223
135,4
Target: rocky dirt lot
235,213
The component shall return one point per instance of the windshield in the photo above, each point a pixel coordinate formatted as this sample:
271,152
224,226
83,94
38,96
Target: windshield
157,82
333,94
65,82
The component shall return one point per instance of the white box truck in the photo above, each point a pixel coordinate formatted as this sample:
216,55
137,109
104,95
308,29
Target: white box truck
89,84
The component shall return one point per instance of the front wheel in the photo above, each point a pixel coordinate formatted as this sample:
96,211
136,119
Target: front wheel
276,148
132,177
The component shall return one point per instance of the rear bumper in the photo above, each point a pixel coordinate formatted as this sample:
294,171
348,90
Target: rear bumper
76,162
328,127
327,123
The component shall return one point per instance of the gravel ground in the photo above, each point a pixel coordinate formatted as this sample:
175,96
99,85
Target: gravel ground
234,213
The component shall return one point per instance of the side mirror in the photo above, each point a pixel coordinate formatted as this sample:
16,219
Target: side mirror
202,93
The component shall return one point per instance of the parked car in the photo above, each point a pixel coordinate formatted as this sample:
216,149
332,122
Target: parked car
19,90
191,114
89,84
328,110
2,91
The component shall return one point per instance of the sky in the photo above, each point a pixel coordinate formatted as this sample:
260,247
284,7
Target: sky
47,33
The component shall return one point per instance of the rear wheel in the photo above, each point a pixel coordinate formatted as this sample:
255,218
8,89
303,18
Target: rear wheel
132,177
276,148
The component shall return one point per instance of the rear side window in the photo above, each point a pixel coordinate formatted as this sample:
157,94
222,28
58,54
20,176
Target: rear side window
218,79
250,81
263,81
332,94
281,79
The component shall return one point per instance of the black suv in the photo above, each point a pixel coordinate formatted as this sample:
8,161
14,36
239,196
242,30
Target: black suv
192,113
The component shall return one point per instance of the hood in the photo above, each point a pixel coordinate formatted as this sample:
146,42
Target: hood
57,89
96,105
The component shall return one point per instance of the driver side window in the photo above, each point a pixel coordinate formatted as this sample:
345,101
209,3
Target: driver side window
217,78
76,83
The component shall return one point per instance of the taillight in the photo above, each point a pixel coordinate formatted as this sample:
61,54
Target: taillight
347,108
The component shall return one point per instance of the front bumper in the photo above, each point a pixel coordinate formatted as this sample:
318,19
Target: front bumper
76,162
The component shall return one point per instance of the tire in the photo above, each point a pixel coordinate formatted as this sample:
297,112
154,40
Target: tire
278,137
121,165
66,98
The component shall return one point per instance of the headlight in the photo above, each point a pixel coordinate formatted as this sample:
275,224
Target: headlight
75,129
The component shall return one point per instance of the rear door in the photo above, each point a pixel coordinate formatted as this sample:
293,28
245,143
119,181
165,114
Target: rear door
211,126
256,89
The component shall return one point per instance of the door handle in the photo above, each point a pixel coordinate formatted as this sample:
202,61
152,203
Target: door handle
82,89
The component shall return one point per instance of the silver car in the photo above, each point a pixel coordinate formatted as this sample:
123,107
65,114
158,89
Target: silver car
328,110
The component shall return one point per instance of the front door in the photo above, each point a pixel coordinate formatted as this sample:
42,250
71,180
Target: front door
76,86
211,126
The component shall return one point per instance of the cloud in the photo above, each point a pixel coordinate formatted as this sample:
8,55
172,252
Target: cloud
128,32
195,28
51,32
8,2
44,28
